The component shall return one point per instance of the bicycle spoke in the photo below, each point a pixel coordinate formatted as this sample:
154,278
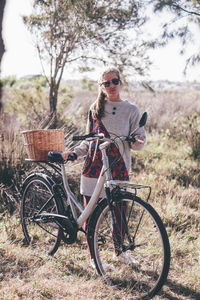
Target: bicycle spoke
38,198
142,264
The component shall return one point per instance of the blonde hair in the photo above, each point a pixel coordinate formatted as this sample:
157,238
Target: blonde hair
98,107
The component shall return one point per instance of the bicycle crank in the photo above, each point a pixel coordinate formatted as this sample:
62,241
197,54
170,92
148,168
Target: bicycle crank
69,229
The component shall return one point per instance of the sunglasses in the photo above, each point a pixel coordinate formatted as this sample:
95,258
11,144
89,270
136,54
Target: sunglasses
115,81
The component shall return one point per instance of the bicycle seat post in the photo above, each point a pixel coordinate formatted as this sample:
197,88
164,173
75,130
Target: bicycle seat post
68,191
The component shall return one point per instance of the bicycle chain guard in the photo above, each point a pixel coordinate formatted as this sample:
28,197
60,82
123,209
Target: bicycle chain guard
69,228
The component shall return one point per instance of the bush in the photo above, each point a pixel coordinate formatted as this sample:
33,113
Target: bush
11,167
193,135
187,130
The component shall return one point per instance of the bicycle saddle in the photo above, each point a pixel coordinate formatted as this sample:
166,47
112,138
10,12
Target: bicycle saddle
54,156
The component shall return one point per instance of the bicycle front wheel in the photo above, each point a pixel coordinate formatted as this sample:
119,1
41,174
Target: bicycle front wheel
39,199
142,265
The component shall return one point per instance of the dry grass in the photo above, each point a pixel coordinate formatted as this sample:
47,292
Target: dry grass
163,107
175,179
165,164
27,274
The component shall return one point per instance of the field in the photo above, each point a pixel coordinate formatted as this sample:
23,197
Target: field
169,163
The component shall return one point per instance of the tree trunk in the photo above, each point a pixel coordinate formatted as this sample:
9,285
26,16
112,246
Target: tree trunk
2,47
50,121
53,96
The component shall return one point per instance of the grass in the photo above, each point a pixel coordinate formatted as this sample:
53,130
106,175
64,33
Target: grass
27,274
168,166
176,196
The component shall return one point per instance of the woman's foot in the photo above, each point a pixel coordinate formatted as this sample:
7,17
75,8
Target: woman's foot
92,264
104,265
126,258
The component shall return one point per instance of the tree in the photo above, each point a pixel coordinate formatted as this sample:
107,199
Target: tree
183,22
67,31
2,48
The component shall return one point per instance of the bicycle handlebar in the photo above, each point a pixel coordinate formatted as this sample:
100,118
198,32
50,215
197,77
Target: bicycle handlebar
131,138
101,136
55,156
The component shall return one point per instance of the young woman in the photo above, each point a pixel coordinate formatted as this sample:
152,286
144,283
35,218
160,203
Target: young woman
114,117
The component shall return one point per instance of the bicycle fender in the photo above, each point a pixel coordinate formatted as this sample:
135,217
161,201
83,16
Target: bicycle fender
37,175
49,181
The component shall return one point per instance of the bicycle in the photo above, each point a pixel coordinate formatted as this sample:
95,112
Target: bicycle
120,223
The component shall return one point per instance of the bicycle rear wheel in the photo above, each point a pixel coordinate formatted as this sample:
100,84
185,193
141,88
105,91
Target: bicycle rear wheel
39,199
143,265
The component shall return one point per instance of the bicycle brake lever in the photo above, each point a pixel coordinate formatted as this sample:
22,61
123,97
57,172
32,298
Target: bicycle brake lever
72,157
131,139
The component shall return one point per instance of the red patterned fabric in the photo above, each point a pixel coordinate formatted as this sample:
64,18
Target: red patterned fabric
93,165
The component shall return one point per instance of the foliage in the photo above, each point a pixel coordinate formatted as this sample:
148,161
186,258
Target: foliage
67,31
193,135
183,22
8,81
87,84
106,32
65,96
11,166
170,115
187,129
28,103
9,157
165,164
30,274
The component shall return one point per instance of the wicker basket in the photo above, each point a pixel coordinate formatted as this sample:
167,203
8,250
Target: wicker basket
40,142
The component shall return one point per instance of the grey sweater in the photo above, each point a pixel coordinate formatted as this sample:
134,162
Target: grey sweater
120,119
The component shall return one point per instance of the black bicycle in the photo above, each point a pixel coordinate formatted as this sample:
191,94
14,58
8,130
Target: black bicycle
129,242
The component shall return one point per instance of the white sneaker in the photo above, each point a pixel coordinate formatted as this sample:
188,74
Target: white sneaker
104,265
92,264
126,258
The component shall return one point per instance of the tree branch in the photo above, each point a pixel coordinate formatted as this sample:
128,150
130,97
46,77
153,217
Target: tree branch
185,10
87,57
40,57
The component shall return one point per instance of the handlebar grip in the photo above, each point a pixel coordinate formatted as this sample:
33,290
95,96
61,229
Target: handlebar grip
77,138
82,137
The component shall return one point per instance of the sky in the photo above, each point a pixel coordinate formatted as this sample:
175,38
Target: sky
21,58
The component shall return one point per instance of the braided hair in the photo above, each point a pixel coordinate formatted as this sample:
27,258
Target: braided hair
98,107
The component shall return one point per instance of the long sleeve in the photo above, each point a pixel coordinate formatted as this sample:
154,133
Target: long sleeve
136,130
120,119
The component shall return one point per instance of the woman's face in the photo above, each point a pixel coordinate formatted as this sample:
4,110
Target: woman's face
111,86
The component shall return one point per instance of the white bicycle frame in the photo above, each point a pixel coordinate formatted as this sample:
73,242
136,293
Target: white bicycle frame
73,202
105,180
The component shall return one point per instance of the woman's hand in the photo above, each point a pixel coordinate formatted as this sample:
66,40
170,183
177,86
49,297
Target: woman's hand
65,155
139,140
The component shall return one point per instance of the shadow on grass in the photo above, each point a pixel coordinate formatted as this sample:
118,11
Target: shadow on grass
82,272
179,290
174,291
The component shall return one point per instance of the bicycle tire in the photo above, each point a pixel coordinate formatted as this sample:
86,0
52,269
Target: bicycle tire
151,249
37,196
